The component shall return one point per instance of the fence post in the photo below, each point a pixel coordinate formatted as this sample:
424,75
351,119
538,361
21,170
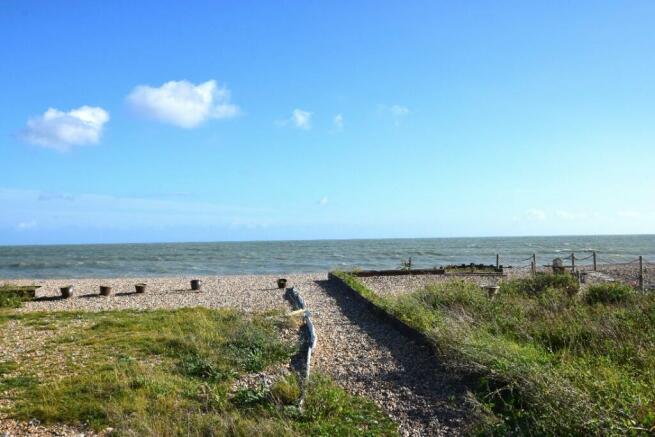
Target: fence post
410,265
594,258
497,261
534,263
641,273
572,262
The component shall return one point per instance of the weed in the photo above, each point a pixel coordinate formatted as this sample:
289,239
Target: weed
249,397
13,296
286,391
609,293
540,282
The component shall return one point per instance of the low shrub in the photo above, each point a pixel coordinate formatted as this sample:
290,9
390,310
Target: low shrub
250,397
10,301
286,391
13,296
612,292
540,282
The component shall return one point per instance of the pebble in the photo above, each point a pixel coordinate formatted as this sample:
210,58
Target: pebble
363,354
248,293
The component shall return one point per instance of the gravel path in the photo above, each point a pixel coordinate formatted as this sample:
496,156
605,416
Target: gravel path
371,358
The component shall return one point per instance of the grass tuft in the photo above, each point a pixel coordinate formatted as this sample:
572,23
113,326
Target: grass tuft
286,391
540,282
13,296
609,293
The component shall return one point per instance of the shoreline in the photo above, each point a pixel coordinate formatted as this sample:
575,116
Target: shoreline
251,292
145,278
618,269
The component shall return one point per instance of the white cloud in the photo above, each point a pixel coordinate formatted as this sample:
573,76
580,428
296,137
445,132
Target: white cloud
24,226
535,214
338,122
182,103
324,201
568,215
631,215
396,112
61,131
301,119
399,110
47,196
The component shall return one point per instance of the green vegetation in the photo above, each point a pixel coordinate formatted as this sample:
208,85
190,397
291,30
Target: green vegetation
171,372
609,293
541,282
545,360
13,296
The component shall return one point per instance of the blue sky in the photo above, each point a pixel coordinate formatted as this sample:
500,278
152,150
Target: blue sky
203,121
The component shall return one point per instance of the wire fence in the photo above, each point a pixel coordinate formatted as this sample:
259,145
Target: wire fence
635,271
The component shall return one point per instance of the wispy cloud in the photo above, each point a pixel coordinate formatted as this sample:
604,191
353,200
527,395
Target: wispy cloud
630,215
62,131
183,104
571,215
399,110
338,122
324,201
24,226
301,119
26,208
47,196
396,112
534,214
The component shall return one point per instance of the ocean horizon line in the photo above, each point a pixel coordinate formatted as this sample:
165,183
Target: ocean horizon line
311,240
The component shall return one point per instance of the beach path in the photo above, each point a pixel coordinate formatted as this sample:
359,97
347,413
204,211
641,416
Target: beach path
371,358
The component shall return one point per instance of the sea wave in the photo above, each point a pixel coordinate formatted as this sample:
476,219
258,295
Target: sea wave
307,256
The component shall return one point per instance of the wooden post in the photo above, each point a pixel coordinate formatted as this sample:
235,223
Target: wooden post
572,262
534,263
641,273
497,261
410,264
594,258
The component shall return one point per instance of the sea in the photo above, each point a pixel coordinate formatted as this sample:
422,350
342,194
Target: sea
276,257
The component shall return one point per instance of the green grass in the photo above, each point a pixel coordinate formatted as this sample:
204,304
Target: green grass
13,296
609,293
170,372
545,359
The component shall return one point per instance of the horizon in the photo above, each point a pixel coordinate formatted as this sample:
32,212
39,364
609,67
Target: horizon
490,237
307,121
